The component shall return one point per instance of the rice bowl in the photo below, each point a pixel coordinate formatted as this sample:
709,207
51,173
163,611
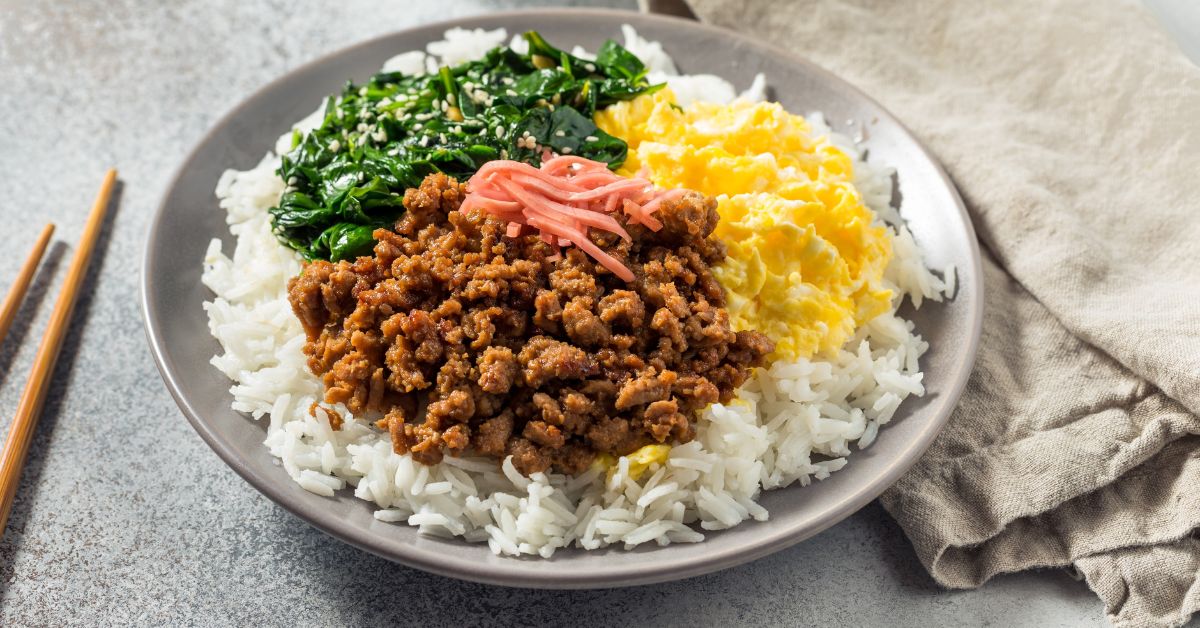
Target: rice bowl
780,515
794,422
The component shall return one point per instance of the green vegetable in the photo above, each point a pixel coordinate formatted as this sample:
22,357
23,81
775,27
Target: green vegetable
348,176
345,240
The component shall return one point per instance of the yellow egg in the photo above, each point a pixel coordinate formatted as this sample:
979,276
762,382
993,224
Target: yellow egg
639,461
806,258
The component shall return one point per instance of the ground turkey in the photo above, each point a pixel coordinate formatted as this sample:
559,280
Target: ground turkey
465,340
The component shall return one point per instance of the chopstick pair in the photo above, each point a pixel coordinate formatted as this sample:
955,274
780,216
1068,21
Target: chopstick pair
20,432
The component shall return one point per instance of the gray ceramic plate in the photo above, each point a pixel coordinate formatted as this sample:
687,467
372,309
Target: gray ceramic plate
188,218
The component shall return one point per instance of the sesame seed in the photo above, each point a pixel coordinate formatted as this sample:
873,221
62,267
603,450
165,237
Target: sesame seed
566,150
418,126
451,98
499,132
560,133
510,92
442,138
591,138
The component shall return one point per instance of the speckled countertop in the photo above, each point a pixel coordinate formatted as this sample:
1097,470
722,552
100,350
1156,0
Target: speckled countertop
124,515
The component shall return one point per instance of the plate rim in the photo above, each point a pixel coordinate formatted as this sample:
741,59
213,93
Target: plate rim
516,573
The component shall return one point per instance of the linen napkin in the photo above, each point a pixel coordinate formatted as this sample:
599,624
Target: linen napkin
1072,130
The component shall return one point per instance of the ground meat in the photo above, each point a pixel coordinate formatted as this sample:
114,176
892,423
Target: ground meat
546,359
528,457
693,218
335,417
645,388
583,326
491,438
544,434
623,307
548,311
497,370
664,421
466,340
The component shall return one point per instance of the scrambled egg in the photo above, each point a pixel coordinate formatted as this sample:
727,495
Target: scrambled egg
639,461
805,262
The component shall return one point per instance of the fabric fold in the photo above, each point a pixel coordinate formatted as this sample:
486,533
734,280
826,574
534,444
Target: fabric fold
1147,585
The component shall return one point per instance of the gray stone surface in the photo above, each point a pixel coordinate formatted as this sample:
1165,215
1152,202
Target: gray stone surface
124,516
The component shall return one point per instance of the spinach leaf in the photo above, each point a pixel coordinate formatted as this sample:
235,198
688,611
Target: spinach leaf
567,132
542,54
618,62
347,177
345,240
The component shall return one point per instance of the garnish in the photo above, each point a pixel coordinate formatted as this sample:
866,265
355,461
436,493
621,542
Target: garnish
563,199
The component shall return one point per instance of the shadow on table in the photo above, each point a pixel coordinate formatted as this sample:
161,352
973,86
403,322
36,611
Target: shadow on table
37,296
868,554
60,381
861,572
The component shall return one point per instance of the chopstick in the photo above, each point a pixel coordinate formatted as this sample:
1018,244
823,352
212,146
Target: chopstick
16,293
29,408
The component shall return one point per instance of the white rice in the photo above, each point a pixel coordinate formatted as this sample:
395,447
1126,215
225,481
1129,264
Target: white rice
792,422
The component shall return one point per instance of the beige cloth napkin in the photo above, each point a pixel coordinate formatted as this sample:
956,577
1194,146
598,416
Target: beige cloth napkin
1072,129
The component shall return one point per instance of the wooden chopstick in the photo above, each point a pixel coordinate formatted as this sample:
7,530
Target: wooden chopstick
20,285
20,433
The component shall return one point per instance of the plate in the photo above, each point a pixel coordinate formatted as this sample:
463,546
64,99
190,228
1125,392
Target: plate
189,218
